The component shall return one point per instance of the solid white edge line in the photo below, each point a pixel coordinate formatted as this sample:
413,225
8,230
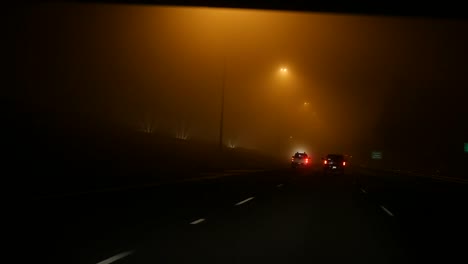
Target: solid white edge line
386,210
244,201
363,191
197,221
116,257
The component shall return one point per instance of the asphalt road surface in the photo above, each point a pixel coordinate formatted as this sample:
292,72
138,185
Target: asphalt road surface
281,216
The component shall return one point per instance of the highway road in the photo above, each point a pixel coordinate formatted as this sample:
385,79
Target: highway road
278,216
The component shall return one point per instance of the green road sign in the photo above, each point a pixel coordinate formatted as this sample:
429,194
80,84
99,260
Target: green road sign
376,155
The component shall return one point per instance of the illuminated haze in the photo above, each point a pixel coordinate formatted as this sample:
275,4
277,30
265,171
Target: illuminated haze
368,81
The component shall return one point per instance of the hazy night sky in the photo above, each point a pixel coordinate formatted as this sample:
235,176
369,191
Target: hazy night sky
362,76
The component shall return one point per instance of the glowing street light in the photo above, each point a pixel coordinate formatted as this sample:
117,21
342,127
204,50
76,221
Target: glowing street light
284,70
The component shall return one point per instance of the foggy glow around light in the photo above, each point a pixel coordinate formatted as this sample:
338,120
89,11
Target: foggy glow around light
166,52
231,144
182,131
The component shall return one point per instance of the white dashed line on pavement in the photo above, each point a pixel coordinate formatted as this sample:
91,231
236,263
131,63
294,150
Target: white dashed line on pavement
386,210
244,201
196,222
116,257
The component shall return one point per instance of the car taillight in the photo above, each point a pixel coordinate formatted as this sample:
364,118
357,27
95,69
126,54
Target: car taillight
344,163
325,162
307,160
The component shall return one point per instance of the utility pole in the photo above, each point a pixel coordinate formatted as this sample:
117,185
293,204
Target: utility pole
221,122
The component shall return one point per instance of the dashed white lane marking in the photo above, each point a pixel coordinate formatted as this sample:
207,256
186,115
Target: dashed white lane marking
116,257
197,221
244,201
386,210
363,191
279,185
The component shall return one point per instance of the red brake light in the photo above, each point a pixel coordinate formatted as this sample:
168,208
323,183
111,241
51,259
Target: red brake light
344,163
307,160
325,162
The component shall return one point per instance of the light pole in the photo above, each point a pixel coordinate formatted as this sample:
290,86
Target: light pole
221,121
279,116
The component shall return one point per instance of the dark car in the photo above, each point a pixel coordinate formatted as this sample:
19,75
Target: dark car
334,163
300,159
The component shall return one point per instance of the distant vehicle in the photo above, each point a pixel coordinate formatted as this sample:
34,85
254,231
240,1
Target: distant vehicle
334,163
300,159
